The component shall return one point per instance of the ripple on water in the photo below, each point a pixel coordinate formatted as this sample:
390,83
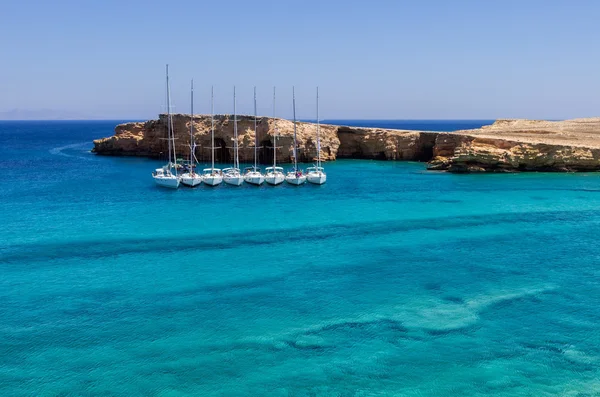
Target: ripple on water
424,284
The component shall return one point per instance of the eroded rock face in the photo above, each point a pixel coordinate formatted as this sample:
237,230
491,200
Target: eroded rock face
147,139
461,153
376,143
507,145
521,145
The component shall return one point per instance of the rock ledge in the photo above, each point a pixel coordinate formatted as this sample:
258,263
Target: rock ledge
505,146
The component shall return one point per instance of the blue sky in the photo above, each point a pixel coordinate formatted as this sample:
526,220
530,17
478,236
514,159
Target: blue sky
426,59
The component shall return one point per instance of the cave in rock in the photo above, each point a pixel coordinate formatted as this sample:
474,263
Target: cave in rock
222,152
265,153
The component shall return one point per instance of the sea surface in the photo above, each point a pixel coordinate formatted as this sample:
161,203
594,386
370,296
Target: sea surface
388,280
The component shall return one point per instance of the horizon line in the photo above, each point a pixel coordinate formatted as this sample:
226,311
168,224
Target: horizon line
308,119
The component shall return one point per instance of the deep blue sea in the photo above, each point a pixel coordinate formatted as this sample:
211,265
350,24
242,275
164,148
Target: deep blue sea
388,280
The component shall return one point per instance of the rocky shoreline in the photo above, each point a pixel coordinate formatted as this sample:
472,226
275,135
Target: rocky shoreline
505,146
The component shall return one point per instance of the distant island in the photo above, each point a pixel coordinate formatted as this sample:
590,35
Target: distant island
505,146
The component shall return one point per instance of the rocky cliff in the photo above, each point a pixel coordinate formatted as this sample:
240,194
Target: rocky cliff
521,145
147,139
506,145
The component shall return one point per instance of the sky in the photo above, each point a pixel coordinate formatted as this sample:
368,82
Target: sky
377,59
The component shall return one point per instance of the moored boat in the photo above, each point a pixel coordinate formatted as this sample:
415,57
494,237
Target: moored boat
190,177
295,176
316,174
167,175
212,176
232,175
163,177
274,175
253,175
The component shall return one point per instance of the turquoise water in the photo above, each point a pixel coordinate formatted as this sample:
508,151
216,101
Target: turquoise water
387,281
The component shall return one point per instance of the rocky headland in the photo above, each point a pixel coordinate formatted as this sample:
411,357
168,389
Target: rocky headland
505,146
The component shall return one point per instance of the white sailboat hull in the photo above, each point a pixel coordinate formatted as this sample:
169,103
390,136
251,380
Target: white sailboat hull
295,180
212,180
170,181
235,180
254,178
274,178
318,178
191,180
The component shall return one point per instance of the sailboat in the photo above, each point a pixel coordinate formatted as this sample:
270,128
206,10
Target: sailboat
253,175
212,176
232,175
190,177
274,175
165,176
317,174
295,176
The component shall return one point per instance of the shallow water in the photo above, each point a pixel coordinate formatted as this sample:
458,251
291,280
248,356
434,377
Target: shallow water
388,280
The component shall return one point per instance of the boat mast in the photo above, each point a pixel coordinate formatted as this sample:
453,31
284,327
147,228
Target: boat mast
295,144
212,127
169,123
318,133
192,146
255,134
274,134
236,160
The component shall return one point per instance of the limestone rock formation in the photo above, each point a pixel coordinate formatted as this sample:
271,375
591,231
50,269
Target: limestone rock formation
506,145
147,139
521,145
382,144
